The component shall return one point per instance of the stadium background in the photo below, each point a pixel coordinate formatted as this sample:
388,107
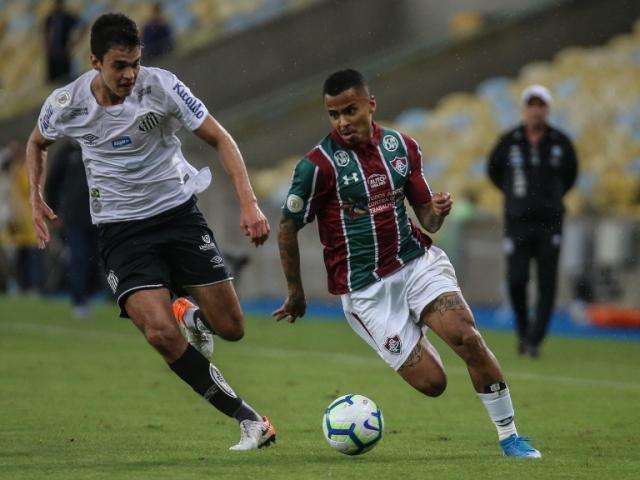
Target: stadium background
450,74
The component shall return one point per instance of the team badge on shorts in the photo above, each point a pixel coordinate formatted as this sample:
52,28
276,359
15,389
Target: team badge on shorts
393,345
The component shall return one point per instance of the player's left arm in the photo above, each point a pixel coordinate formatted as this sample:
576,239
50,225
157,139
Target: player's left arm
36,162
430,209
252,221
431,215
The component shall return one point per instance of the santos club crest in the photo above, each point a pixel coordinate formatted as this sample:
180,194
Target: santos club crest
400,164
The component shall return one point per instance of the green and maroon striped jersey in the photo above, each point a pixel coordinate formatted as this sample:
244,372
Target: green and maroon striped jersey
358,195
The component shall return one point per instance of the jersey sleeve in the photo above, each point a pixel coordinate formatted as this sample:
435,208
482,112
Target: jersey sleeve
307,193
180,102
416,189
49,114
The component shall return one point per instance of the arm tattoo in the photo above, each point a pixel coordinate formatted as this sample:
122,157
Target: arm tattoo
414,357
290,253
433,222
446,302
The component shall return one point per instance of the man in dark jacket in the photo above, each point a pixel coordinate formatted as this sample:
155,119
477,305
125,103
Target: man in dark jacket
67,192
534,165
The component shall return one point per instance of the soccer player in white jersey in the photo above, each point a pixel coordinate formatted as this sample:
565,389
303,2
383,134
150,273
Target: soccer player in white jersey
153,239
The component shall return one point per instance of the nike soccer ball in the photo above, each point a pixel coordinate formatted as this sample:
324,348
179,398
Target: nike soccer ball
352,424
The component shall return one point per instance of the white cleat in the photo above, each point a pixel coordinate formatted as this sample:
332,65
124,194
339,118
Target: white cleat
254,435
200,336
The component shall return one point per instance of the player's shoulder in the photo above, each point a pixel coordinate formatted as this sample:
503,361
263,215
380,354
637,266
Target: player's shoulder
150,75
392,139
154,82
66,103
71,94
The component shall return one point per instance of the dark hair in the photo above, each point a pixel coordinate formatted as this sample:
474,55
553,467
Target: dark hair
113,30
343,80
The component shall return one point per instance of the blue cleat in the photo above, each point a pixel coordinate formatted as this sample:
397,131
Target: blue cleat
515,446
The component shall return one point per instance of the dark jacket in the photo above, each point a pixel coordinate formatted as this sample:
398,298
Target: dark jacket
66,189
534,181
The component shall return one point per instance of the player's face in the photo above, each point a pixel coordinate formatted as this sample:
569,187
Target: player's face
119,69
351,115
535,112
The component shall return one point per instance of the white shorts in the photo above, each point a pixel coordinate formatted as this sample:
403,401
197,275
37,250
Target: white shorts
386,314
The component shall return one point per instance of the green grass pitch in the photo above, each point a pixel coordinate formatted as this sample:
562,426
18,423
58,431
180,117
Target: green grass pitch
90,400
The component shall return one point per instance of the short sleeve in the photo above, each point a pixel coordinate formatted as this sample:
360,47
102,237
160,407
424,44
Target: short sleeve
416,189
180,102
307,193
49,114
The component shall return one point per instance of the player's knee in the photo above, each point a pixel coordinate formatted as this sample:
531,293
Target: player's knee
232,334
432,387
232,330
473,346
228,325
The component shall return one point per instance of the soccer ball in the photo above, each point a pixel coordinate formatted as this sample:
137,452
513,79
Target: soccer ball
352,424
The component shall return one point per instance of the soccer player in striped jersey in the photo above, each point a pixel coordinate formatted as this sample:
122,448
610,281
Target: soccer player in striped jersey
393,282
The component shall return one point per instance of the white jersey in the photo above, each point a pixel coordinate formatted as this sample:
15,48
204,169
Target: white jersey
132,157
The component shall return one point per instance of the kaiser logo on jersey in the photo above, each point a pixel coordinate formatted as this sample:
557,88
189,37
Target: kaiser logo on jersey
121,142
393,345
400,164
191,102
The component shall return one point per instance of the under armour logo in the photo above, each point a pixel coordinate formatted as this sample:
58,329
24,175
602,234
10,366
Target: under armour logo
347,180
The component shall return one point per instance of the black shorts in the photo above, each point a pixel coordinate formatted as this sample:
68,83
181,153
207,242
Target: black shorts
174,249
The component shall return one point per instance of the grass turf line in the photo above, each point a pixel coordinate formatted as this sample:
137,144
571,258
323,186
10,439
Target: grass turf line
90,400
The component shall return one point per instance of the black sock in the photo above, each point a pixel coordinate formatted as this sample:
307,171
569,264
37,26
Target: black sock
206,380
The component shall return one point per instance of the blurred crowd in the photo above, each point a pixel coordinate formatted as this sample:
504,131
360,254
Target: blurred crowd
71,265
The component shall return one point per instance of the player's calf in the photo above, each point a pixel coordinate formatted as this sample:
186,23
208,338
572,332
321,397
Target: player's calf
166,340
423,370
220,310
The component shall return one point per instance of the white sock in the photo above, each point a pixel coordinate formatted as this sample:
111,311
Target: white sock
500,409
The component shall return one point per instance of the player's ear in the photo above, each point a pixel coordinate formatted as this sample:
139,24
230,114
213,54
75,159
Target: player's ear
96,64
372,103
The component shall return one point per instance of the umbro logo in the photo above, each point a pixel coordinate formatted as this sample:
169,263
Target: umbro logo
89,139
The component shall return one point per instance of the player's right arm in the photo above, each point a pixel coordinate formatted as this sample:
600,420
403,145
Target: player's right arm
36,168
295,304
307,194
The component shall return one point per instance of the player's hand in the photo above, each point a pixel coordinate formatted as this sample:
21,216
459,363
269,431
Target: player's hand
254,224
40,212
442,204
294,306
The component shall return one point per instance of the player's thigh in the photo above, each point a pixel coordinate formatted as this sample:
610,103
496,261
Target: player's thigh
423,369
150,312
220,305
451,319
380,315
198,267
